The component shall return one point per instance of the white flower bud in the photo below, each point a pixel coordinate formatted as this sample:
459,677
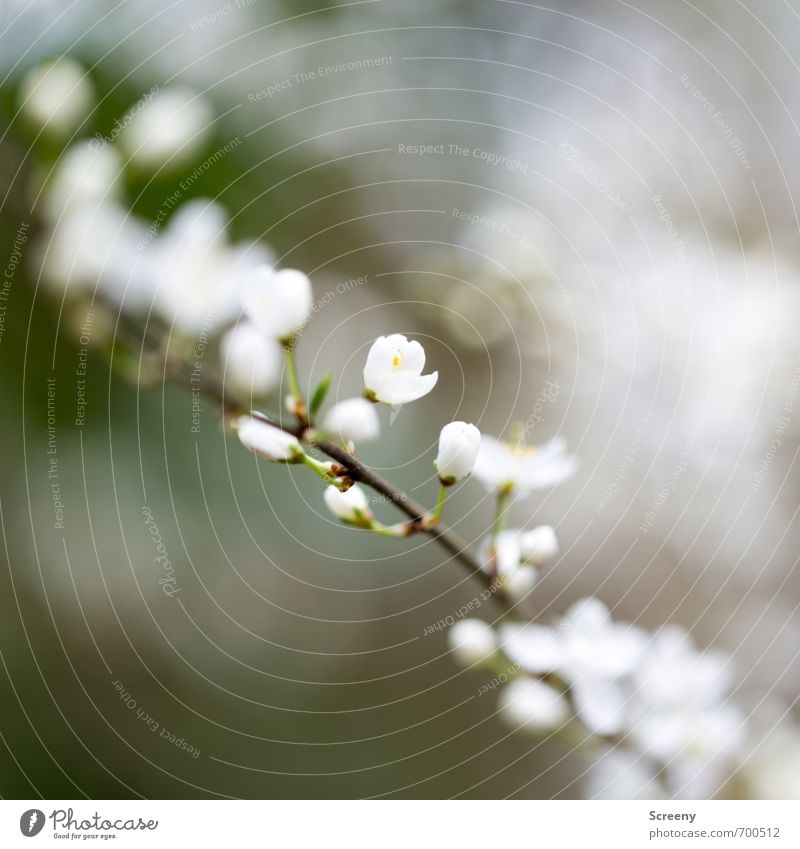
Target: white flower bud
393,373
168,129
349,506
519,583
278,303
471,641
353,420
268,441
252,361
57,96
458,450
532,705
539,545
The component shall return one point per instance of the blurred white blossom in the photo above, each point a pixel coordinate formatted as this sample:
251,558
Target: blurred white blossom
252,362
57,96
278,302
471,641
521,469
532,706
169,129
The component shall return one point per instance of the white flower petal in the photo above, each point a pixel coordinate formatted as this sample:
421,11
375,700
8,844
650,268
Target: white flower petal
600,704
532,705
536,648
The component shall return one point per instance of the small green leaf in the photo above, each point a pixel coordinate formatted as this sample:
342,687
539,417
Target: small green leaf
319,394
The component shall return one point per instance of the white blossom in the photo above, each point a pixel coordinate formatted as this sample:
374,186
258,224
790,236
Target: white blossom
393,373
620,774
504,558
198,272
532,705
349,506
95,248
278,302
590,652
57,96
522,469
352,420
520,583
252,362
679,704
471,641
458,450
169,129
539,545
268,441
85,176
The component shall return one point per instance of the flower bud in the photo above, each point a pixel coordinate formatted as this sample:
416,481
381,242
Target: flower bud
471,641
353,420
539,545
532,705
350,506
57,96
519,583
458,450
278,303
268,441
252,361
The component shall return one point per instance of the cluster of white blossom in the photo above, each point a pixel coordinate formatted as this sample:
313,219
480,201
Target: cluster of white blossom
181,267
657,710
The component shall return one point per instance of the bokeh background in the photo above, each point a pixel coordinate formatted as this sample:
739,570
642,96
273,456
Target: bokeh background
623,225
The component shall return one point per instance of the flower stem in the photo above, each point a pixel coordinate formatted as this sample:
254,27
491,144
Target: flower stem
320,469
294,381
436,515
499,516
497,527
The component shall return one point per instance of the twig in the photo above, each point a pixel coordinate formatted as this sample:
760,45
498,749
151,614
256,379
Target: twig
179,374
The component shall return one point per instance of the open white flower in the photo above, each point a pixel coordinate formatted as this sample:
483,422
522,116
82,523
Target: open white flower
393,373
522,469
168,129
591,652
471,641
57,96
268,441
458,450
278,302
532,705
252,362
539,545
352,420
350,506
